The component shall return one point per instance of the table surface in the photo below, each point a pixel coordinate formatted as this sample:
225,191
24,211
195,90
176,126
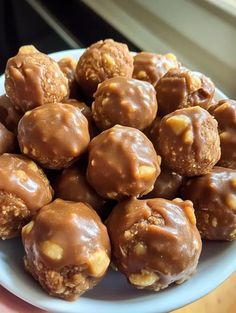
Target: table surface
221,300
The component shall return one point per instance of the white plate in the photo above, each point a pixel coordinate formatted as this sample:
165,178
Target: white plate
114,294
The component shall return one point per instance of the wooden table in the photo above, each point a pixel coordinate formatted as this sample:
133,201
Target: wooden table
221,300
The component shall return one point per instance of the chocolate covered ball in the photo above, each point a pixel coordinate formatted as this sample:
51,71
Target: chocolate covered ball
54,135
167,185
103,60
124,101
122,162
72,185
67,248
33,79
24,189
225,113
189,142
151,67
214,200
9,114
181,88
68,67
7,140
154,242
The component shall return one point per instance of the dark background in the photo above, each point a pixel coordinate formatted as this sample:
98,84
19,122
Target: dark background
23,23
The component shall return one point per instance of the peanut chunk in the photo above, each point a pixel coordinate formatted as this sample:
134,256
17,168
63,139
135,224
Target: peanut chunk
214,222
109,61
188,209
231,201
146,172
144,279
142,75
27,228
52,250
140,248
178,123
98,263
194,83
28,49
188,137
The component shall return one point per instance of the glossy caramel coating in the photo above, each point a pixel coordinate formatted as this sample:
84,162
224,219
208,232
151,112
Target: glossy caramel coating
151,67
9,114
167,185
68,67
154,242
214,200
225,113
122,162
24,189
181,88
124,101
67,248
189,143
72,185
103,60
54,135
33,79
7,140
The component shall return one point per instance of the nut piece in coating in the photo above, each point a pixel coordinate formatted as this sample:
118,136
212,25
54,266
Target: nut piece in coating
155,242
125,101
122,163
103,60
32,79
189,142
151,67
214,199
225,114
54,135
24,189
67,248
181,88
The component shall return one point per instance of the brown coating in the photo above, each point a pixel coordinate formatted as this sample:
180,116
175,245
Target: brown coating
67,248
225,113
154,242
24,189
54,135
7,140
214,199
151,67
68,67
152,132
33,79
9,114
122,162
189,143
181,88
167,185
72,185
125,101
103,60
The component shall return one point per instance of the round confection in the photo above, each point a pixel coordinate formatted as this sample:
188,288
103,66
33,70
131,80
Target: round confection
154,242
9,114
54,135
125,101
68,67
167,185
7,140
214,199
151,66
67,248
72,185
122,162
33,79
181,88
103,60
23,190
189,142
225,114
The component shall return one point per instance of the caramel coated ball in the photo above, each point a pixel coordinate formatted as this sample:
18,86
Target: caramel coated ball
103,60
54,135
33,79
188,142
124,101
214,199
122,163
67,248
155,242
